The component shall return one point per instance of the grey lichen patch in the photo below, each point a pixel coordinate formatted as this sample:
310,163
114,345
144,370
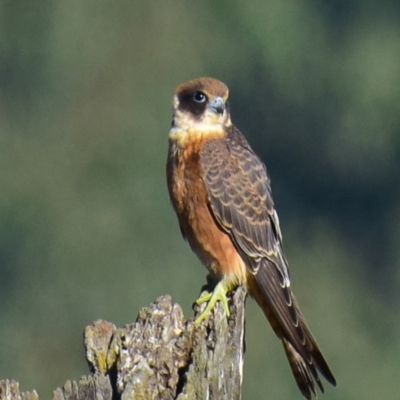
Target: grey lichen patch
95,386
97,340
152,352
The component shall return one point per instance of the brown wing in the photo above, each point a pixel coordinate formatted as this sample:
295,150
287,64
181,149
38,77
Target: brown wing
240,198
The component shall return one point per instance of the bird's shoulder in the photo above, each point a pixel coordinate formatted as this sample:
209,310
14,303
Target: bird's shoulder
234,153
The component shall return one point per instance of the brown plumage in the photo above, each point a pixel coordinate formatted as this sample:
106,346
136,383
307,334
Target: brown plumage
222,196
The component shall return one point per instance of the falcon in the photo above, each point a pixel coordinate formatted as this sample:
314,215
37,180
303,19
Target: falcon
221,193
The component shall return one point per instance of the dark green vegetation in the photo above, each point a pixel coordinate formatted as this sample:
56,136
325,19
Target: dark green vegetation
86,229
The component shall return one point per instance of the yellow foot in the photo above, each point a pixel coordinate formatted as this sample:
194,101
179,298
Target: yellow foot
219,294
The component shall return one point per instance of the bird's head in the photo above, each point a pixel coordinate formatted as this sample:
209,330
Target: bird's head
202,104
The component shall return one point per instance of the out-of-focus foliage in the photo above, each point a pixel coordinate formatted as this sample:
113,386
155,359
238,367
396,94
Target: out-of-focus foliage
86,229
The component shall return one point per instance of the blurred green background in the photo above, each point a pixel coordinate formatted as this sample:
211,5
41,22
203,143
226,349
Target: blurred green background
86,228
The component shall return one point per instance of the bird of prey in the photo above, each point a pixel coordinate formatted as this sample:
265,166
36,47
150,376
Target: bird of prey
221,193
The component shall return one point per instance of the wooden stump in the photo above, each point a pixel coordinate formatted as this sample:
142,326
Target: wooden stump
161,356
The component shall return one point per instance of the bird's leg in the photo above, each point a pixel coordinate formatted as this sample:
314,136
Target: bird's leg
218,294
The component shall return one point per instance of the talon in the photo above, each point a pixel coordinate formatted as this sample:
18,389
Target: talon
204,298
219,294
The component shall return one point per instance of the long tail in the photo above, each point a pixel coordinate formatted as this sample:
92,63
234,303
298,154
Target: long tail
281,309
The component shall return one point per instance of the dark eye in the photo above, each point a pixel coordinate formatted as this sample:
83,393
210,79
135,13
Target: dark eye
199,97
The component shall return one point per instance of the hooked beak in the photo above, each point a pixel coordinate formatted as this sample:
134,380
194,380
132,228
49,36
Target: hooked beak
217,105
